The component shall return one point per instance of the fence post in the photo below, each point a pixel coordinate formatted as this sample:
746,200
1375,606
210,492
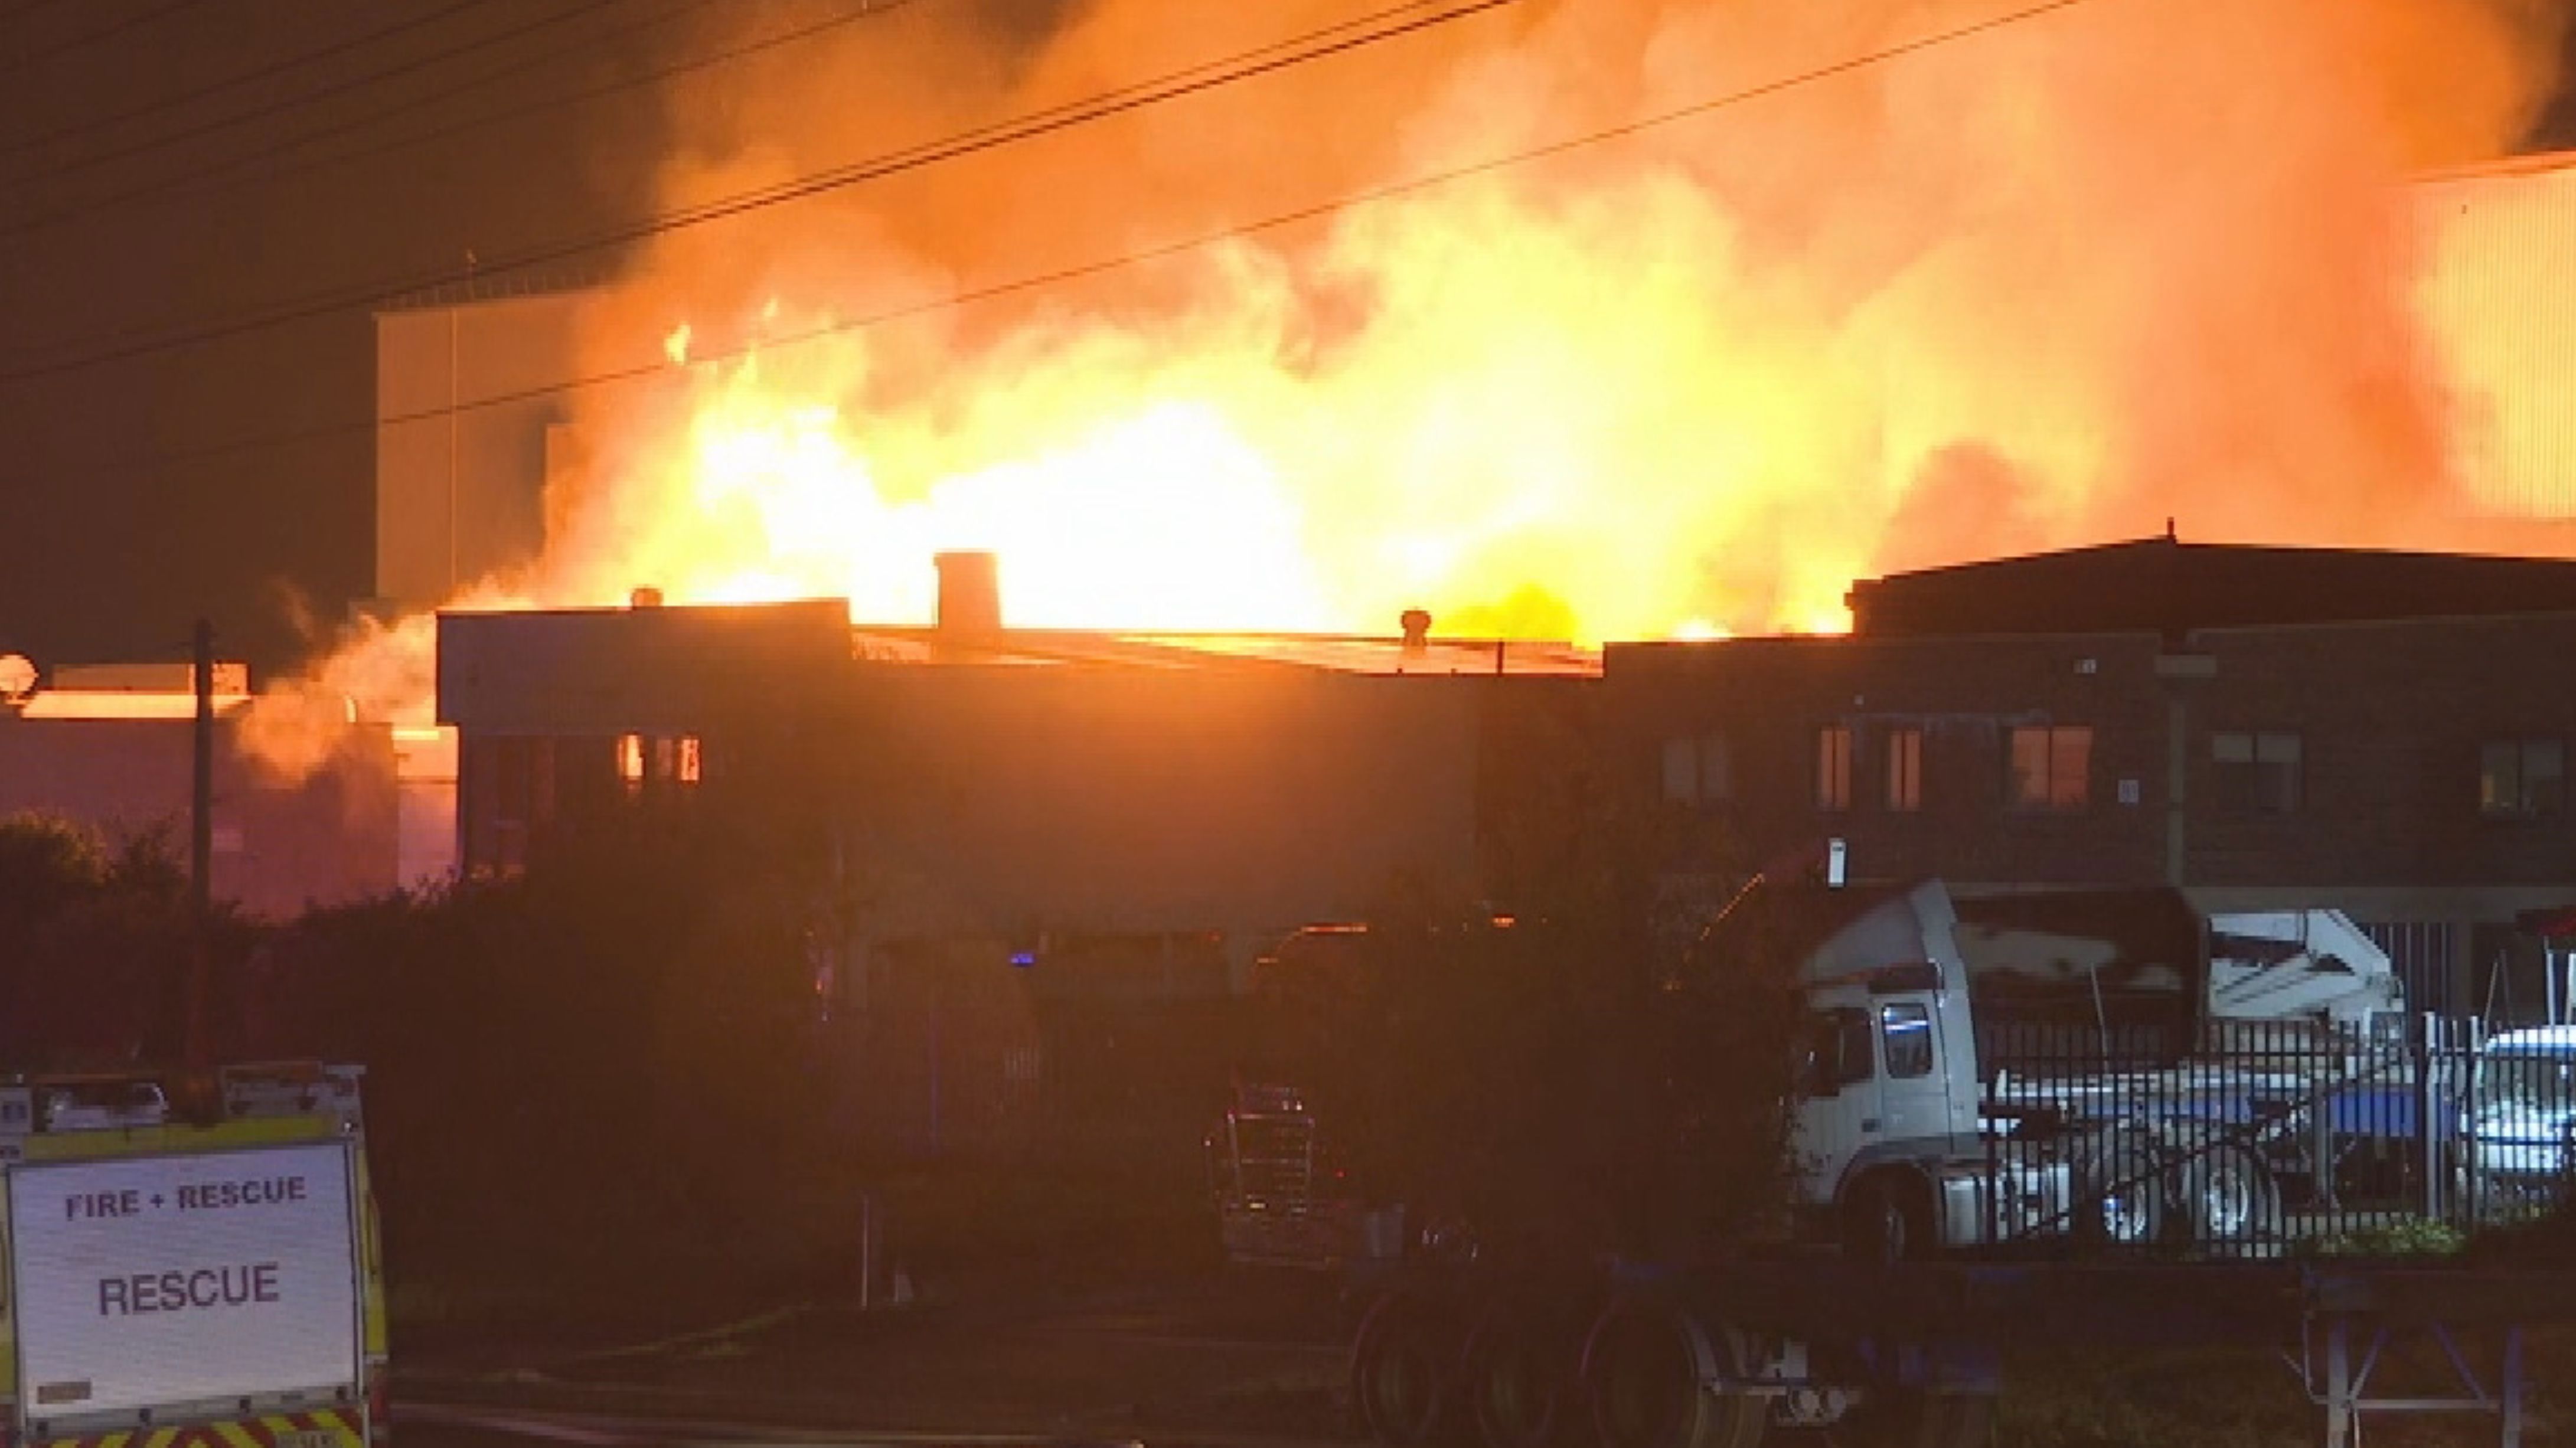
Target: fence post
2329,1084
1994,1182
2428,1097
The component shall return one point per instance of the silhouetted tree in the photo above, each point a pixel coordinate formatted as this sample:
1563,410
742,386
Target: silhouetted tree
1546,1066
96,940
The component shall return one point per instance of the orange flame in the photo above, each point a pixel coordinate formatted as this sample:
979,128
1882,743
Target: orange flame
2046,285
2017,292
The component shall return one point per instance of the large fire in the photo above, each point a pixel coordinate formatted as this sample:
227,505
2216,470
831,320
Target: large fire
2050,283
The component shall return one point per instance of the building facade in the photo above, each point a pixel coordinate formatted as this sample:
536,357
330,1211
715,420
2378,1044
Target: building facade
2409,770
1036,862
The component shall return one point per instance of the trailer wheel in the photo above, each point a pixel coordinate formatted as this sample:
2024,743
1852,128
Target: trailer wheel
1404,1371
2123,1199
2234,1202
1656,1375
1885,1220
1521,1378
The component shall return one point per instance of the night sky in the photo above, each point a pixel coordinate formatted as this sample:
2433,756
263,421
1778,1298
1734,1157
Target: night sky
174,167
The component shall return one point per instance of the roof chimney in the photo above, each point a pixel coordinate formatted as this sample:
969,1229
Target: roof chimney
970,592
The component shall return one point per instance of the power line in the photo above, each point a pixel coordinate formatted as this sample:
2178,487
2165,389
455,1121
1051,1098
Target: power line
1411,185
1191,80
353,83
229,83
135,21
254,167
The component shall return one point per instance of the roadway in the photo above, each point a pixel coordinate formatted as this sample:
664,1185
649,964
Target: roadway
1219,1366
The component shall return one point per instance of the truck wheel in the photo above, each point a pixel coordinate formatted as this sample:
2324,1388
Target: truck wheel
1404,1372
2235,1204
2122,1199
1521,1384
1656,1373
1884,1221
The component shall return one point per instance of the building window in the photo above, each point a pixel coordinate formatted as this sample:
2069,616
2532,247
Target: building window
1833,767
1697,770
2257,773
1905,770
659,759
512,804
2522,777
2052,767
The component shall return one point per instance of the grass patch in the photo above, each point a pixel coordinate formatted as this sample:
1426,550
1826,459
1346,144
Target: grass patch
2206,1398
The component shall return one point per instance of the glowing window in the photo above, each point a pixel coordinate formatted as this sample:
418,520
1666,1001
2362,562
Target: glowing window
1904,770
2052,767
2522,777
1833,767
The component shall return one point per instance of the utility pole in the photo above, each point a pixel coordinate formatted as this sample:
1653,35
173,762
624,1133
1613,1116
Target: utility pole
194,1048
201,804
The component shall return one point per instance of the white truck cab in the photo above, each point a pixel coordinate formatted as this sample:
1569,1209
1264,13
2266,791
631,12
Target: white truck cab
1886,1132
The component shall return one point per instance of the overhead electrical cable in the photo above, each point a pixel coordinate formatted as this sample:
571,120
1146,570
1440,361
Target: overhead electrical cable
298,61
135,21
285,104
1420,182
269,165
1191,80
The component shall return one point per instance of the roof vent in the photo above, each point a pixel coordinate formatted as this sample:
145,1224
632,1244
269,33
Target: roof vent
970,592
647,597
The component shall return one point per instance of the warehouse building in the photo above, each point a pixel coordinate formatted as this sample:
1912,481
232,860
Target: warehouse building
2386,734
1027,845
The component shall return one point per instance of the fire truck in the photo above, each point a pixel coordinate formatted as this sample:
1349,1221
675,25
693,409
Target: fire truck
190,1263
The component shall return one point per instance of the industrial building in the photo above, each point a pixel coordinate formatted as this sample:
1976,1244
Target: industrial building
2382,733
1024,845
1038,781
111,747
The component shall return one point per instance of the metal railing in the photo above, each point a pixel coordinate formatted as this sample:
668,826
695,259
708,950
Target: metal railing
2271,1138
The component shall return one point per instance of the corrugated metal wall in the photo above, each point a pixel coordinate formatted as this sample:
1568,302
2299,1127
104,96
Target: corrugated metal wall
2500,300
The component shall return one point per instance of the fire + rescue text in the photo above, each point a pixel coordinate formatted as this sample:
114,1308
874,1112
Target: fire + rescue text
194,1197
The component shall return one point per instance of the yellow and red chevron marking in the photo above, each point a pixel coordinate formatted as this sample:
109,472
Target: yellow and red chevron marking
334,1427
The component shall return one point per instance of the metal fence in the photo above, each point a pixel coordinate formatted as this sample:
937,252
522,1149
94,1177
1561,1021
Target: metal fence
2266,1138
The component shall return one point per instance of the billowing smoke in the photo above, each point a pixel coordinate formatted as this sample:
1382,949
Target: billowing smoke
2050,282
